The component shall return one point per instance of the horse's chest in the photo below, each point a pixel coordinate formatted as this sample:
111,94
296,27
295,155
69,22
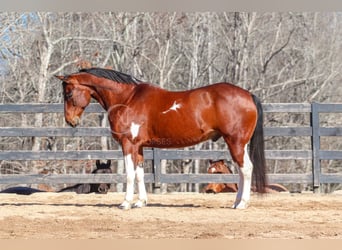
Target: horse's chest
127,124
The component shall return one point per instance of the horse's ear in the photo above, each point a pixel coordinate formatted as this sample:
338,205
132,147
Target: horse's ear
59,77
210,161
62,78
67,79
108,163
98,164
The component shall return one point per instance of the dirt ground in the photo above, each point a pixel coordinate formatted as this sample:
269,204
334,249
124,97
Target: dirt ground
171,216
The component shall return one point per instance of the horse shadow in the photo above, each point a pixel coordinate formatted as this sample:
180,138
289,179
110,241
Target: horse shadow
98,205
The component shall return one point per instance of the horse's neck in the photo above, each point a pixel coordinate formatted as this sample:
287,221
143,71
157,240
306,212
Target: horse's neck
114,96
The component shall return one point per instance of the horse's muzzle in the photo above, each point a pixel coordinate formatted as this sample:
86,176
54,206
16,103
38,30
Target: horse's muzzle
103,188
74,121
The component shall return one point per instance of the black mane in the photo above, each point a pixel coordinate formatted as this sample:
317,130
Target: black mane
111,75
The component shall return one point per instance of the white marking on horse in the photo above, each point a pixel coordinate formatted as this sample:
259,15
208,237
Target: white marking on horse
245,181
213,170
130,173
174,107
141,187
134,129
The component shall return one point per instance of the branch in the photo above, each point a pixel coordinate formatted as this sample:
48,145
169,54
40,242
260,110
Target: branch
172,66
67,38
327,80
276,52
284,84
151,61
11,24
63,66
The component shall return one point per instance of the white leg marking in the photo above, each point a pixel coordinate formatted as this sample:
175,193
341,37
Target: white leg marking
134,129
240,186
130,182
174,107
141,187
245,182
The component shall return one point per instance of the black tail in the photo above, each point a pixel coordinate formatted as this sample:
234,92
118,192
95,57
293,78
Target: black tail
257,151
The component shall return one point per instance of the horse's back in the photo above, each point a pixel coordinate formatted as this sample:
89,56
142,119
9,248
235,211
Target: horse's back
185,118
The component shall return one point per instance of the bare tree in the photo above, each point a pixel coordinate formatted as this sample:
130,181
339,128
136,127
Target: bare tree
281,57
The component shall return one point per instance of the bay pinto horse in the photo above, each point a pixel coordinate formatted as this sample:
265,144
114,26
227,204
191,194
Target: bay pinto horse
141,115
86,188
219,167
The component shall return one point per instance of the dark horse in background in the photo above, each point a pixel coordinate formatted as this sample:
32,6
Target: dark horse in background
86,188
144,115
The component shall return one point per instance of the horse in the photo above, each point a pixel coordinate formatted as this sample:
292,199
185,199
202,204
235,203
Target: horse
86,188
219,167
99,188
142,114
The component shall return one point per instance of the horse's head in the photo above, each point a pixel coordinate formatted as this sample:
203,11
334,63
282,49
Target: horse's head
76,98
102,165
108,87
102,168
218,167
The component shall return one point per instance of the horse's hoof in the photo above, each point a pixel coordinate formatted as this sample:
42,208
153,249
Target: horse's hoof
126,205
140,204
240,205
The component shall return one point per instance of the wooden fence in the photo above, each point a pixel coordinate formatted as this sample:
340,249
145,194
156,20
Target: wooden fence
315,154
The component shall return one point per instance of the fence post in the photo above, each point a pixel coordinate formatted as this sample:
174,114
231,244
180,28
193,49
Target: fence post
315,144
156,170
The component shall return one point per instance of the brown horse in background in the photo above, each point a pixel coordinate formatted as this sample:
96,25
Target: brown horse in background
144,115
219,167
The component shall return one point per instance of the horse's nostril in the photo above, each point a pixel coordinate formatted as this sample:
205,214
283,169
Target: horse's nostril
103,189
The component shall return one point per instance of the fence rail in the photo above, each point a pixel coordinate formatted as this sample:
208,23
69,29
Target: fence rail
315,131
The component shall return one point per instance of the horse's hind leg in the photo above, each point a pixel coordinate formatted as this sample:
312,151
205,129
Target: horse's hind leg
245,182
240,156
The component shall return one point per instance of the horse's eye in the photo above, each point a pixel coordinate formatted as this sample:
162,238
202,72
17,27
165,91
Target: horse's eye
68,95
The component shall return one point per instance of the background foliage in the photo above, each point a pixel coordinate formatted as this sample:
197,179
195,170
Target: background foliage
281,57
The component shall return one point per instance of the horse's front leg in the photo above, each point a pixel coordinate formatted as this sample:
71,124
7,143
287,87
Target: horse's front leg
141,187
134,167
130,175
